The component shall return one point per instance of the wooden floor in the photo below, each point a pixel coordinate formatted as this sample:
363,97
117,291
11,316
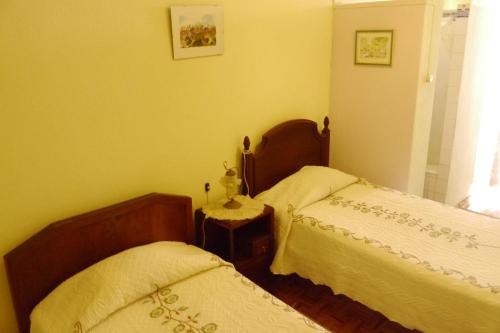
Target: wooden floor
335,312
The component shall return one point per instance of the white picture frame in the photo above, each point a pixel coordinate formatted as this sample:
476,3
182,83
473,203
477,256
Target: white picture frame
373,47
197,31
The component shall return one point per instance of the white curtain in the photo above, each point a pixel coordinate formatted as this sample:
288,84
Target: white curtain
478,120
484,38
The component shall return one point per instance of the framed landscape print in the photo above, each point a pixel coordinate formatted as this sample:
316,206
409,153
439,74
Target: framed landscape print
197,31
373,47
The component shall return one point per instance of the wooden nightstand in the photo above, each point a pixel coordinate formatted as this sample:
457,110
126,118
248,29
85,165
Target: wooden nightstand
248,244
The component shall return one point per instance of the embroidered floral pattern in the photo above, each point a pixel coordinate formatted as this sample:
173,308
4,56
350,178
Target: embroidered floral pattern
404,218
313,222
77,328
219,261
164,300
168,311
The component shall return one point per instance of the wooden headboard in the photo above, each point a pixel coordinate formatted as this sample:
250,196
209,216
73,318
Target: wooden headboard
66,247
284,149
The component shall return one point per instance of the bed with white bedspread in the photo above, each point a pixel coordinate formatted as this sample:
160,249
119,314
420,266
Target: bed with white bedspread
164,287
128,268
421,263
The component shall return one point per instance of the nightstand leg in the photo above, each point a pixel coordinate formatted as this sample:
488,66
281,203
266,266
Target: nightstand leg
231,245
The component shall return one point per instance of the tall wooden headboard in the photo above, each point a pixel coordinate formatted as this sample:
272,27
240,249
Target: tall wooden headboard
64,248
284,149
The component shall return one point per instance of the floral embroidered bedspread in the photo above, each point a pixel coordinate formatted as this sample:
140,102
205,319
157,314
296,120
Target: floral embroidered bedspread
421,263
164,287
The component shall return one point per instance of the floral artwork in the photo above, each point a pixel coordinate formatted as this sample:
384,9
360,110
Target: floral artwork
197,31
373,47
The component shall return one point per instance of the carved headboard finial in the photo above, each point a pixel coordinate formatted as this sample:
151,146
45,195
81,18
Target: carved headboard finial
326,122
246,143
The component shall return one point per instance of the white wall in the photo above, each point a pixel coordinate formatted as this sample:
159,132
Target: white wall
381,115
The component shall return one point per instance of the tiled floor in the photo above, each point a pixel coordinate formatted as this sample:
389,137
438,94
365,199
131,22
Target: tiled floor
335,312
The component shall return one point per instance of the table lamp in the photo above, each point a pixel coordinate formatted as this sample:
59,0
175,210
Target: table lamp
231,182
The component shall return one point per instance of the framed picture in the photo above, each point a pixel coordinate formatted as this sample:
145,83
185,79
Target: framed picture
197,31
373,47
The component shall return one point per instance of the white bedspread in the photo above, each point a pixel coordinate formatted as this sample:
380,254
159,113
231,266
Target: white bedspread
164,287
421,263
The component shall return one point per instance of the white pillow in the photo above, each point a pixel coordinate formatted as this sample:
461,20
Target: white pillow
306,186
93,294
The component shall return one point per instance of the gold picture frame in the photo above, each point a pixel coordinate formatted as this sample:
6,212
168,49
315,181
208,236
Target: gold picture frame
373,47
197,31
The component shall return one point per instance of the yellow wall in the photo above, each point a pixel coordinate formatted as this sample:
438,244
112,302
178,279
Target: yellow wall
93,109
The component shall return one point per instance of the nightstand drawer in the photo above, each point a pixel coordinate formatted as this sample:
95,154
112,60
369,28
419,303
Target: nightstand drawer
259,245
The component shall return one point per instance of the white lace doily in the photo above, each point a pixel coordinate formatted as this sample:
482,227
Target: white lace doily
250,208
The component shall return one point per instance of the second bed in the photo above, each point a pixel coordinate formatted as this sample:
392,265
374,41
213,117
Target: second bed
423,264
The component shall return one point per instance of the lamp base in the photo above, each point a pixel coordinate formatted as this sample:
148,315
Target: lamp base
232,204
